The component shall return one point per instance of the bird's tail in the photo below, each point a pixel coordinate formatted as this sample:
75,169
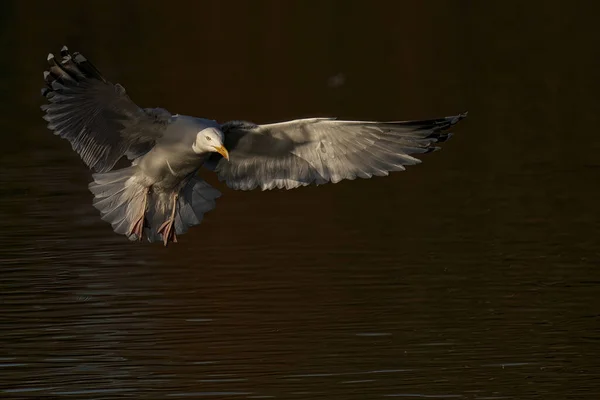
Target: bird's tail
120,198
134,209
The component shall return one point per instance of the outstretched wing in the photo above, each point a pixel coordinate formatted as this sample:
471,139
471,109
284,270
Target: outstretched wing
319,150
95,116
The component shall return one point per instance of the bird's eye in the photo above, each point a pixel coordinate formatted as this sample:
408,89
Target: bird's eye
208,138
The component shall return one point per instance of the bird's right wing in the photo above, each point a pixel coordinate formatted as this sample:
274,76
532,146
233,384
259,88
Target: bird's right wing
319,150
95,116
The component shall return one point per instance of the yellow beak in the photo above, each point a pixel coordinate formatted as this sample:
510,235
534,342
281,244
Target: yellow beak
222,151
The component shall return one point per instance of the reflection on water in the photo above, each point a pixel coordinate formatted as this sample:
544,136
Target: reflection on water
473,275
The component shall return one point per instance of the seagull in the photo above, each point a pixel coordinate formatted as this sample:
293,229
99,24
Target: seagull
159,194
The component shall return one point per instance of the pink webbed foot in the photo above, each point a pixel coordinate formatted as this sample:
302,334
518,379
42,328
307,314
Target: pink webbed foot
167,229
137,228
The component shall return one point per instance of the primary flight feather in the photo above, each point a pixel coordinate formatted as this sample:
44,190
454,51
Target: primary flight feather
160,195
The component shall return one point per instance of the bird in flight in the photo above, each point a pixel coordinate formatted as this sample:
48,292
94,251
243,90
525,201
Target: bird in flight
160,195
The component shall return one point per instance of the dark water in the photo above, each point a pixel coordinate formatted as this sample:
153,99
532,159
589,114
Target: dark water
474,275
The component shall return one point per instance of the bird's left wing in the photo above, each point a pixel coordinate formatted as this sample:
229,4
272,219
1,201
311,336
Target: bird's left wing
96,116
319,150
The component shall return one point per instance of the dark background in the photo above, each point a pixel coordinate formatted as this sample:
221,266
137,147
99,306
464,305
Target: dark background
474,275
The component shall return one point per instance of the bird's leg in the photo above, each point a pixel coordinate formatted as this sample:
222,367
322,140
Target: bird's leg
138,226
167,229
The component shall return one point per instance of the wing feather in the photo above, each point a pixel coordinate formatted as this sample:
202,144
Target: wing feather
95,116
319,150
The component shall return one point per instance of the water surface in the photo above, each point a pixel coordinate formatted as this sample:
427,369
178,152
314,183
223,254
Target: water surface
474,275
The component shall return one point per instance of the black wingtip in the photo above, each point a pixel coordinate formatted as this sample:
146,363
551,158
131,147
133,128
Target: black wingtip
455,119
51,60
70,67
443,137
87,67
78,57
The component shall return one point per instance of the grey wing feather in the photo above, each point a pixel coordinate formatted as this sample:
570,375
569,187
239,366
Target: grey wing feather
95,116
319,150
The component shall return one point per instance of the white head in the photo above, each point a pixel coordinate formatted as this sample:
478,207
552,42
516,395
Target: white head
210,140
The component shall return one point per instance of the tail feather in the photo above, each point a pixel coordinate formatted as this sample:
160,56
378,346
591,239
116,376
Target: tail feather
119,197
123,227
104,182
